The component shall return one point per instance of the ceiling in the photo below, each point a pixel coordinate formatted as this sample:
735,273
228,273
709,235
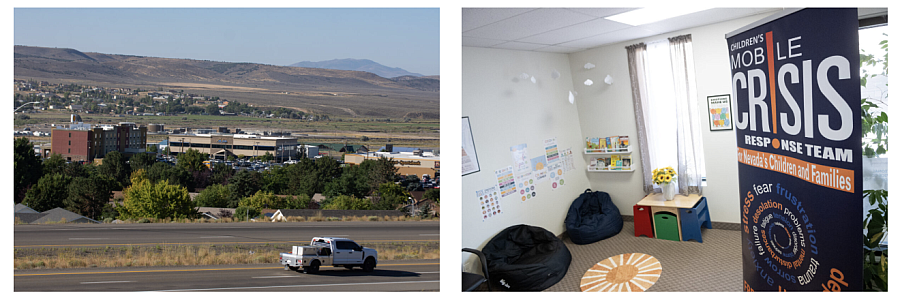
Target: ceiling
569,30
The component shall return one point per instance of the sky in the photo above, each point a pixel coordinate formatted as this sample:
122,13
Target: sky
406,38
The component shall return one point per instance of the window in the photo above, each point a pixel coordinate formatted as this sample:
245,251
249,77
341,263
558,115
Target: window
666,111
346,245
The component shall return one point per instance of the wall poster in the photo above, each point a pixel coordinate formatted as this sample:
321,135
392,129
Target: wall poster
469,158
719,112
796,89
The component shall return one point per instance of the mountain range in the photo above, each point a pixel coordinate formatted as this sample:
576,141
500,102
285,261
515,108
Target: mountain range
318,90
363,65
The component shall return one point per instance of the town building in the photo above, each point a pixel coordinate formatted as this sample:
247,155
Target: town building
407,163
221,146
86,142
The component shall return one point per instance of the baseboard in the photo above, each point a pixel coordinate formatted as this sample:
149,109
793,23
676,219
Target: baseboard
715,225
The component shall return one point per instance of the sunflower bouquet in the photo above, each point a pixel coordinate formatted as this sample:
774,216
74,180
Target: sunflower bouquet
664,176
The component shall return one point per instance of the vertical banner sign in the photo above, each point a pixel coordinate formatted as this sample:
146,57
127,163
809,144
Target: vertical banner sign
795,84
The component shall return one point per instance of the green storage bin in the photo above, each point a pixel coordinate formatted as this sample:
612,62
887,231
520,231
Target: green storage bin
666,226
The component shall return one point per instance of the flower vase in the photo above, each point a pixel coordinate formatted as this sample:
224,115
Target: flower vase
669,191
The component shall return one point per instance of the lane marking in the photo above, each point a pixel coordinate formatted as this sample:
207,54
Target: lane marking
215,243
275,277
84,239
428,272
107,282
185,270
433,234
289,286
216,237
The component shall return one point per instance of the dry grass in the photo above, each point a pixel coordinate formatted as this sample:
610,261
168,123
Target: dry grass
316,218
163,255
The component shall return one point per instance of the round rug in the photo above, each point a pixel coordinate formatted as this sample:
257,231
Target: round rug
629,272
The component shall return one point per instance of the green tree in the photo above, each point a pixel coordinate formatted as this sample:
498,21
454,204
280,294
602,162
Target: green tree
115,167
214,196
243,184
267,157
433,194
54,164
192,160
244,213
152,148
212,109
27,169
344,202
353,181
89,196
145,199
390,196
170,174
142,161
382,171
221,173
263,200
49,192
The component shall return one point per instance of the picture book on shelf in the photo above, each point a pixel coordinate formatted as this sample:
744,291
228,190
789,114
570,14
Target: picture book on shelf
613,143
623,142
615,162
626,162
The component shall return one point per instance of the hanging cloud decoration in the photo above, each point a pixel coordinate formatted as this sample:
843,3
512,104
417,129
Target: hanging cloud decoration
571,98
608,79
588,82
533,80
588,66
554,74
524,76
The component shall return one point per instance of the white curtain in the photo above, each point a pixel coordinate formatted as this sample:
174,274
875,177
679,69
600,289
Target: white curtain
665,101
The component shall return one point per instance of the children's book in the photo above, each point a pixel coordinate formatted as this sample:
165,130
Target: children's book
624,144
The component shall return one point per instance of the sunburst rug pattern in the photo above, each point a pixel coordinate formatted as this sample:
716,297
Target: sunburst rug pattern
629,272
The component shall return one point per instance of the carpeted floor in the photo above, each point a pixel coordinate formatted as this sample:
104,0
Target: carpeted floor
714,265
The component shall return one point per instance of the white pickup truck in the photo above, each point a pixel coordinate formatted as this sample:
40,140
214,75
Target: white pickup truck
329,251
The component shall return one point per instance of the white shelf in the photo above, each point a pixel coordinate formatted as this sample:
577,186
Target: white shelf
607,152
598,170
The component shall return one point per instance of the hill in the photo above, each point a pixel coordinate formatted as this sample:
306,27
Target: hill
325,91
362,65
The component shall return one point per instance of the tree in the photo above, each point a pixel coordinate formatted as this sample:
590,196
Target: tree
214,196
267,157
390,197
433,194
353,182
49,192
212,109
115,167
243,184
344,202
54,164
145,199
221,173
88,196
192,160
382,171
152,148
263,200
244,213
142,161
27,169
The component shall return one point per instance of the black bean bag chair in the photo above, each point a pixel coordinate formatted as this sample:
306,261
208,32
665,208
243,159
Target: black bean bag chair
526,258
592,217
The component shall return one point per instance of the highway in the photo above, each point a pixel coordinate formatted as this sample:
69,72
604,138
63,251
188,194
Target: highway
408,275
74,235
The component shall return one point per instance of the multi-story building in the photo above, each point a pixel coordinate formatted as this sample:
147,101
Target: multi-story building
84,142
221,146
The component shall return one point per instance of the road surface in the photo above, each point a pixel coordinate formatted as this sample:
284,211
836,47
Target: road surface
409,275
68,235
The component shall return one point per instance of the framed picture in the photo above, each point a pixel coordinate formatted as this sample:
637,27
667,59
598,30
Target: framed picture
469,157
720,116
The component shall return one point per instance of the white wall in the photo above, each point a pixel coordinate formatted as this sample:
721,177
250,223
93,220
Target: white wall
505,112
607,110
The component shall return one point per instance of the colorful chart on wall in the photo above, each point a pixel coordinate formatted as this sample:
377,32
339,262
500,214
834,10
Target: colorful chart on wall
556,173
629,272
539,167
520,158
505,181
719,112
551,151
569,159
525,183
489,200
